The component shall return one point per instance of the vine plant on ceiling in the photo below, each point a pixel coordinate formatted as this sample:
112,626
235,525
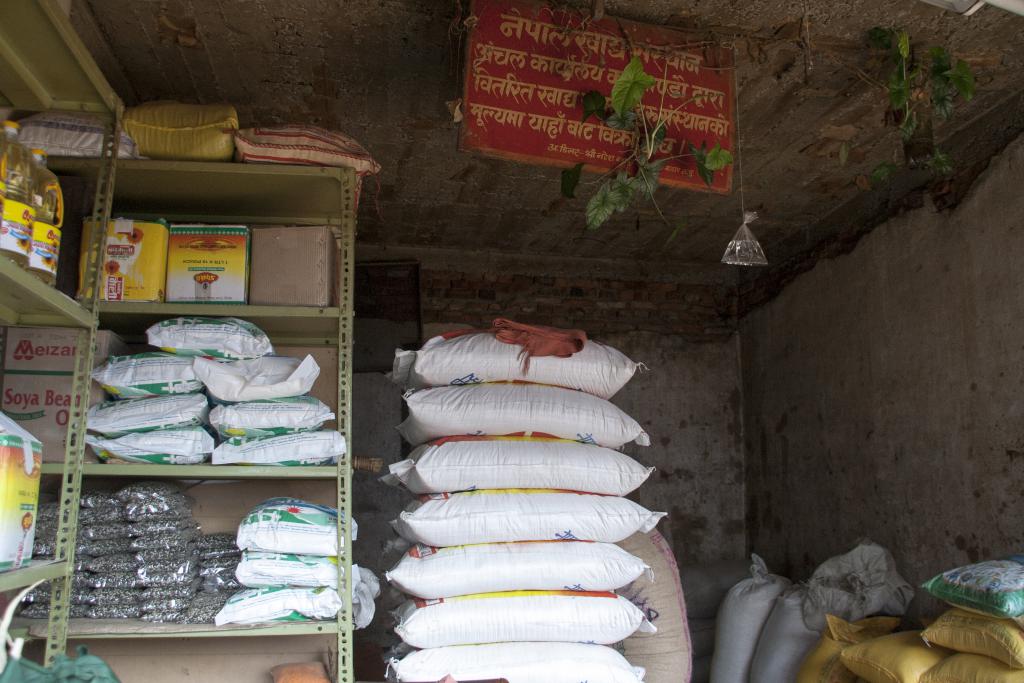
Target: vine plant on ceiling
638,172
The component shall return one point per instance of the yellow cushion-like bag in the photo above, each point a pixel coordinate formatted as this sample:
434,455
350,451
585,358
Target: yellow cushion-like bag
188,132
898,658
962,631
822,664
972,669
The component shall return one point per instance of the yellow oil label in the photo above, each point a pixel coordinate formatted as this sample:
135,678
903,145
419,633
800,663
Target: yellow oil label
16,227
45,248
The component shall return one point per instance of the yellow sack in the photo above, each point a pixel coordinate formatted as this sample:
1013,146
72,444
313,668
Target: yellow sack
187,132
898,658
962,631
822,664
972,669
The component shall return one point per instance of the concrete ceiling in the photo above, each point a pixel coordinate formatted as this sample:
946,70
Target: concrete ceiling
382,70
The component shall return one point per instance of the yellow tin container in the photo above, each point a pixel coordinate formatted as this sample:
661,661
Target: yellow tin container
208,264
134,260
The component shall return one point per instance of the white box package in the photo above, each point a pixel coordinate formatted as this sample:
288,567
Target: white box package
227,338
519,663
427,572
473,358
498,516
116,418
528,616
147,374
287,450
517,409
188,446
258,378
290,525
472,463
270,417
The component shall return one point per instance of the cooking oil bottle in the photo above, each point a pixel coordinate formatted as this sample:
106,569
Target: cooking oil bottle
18,214
48,202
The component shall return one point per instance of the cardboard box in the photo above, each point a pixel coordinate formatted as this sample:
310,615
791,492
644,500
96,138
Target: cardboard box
20,460
293,266
208,264
326,386
134,261
38,364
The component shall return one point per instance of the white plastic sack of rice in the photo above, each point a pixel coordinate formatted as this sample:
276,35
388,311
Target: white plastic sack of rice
474,358
270,417
427,572
279,603
289,450
189,446
520,616
500,516
290,525
228,338
517,409
257,379
472,463
147,374
116,418
519,663
258,569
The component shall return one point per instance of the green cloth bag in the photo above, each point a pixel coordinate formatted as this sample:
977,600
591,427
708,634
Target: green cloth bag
85,668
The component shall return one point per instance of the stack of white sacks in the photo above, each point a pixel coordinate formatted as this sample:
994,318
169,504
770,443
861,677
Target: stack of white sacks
262,413
513,564
289,567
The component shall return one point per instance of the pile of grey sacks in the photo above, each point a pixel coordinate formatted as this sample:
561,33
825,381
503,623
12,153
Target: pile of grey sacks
140,555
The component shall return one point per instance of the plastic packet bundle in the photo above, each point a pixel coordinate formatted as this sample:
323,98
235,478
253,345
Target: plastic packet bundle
43,547
177,506
139,415
214,564
204,607
162,526
213,556
113,611
47,512
158,579
162,617
103,515
228,338
270,417
174,592
211,542
107,597
115,580
180,540
166,605
181,565
146,557
42,611
39,594
147,374
141,491
110,546
119,563
98,499
102,532
224,582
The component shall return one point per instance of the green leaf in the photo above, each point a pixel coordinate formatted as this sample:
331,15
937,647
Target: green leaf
903,44
630,87
908,126
570,179
648,173
899,90
882,172
594,103
844,153
659,134
600,207
675,231
623,190
880,38
718,158
618,121
962,79
942,99
940,163
700,156
940,61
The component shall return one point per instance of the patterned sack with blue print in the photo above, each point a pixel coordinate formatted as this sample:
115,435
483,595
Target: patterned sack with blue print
995,587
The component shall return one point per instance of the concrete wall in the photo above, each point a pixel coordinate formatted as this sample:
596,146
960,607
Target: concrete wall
882,392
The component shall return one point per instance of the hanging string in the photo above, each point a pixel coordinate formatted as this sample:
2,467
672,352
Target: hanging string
752,216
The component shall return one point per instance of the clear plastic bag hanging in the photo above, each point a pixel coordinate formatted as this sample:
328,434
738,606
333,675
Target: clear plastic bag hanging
744,249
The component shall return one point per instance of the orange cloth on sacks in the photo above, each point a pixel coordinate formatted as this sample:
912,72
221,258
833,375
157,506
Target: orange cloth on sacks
535,340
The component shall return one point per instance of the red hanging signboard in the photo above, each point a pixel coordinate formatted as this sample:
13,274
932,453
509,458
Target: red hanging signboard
528,66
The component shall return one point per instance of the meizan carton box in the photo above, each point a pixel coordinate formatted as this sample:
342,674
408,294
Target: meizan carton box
208,264
21,459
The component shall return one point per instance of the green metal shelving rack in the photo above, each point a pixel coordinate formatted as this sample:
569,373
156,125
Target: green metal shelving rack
44,65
